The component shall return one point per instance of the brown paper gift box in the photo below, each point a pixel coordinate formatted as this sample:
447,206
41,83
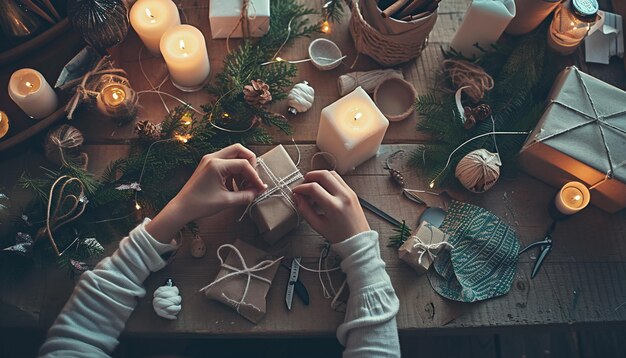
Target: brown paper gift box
572,141
428,234
230,291
275,216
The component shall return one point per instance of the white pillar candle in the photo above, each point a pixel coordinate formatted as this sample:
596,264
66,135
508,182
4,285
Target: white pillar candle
483,24
151,18
32,93
351,129
573,197
184,50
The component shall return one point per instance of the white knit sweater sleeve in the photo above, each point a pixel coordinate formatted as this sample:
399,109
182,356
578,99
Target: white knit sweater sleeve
93,318
369,328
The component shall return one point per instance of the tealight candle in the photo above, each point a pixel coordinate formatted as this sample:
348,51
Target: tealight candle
30,91
184,50
573,197
151,18
116,99
351,129
4,124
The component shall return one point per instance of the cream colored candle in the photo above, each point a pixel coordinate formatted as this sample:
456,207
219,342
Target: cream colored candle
151,18
351,129
184,50
573,197
32,93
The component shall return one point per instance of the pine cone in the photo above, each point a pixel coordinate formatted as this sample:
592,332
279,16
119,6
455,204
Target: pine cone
147,130
476,114
257,93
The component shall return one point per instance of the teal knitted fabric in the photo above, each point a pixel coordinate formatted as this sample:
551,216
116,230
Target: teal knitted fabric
484,259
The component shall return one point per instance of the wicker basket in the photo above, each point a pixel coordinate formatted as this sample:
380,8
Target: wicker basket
403,41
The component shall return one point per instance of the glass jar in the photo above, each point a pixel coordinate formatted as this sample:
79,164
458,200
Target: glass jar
571,23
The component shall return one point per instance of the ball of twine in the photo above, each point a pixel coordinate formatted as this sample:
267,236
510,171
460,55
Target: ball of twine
479,170
62,142
463,73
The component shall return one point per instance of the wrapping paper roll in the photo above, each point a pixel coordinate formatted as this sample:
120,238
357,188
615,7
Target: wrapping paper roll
483,24
529,14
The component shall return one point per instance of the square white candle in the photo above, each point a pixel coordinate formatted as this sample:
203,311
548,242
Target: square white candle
351,129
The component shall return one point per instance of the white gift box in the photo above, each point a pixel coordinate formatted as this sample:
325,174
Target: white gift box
225,15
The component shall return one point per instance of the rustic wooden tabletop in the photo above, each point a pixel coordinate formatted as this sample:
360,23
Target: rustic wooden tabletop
582,282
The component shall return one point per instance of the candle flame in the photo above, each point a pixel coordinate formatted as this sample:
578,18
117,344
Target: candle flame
577,197
182,44
28,84
149,13
115,96
358,116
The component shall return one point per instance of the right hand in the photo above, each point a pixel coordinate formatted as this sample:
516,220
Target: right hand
330,206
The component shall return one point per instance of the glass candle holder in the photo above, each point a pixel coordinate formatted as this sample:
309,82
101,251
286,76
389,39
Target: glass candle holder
571,23
116,98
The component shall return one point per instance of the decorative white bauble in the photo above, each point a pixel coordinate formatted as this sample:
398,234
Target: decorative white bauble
479,170
300,98
167,301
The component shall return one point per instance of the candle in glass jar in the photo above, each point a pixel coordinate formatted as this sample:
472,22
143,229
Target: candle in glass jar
184,50
573,197
571,23
151,18
32,93
351,130
4,124
117,100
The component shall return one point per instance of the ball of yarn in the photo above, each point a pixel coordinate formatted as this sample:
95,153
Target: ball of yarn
167,301
300,98
479,170
61,142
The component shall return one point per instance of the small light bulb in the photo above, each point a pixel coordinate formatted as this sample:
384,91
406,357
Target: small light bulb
279,59
325,27
137,206
432,184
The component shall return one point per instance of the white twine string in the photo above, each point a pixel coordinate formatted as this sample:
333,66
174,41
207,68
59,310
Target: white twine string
428,248
249,272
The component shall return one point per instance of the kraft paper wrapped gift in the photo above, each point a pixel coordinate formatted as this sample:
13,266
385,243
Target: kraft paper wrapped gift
229,287
274,211
424,244
226,19
581,136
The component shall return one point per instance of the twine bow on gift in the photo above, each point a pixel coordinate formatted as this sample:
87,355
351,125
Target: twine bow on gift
244,21
85,87
429,248
249,272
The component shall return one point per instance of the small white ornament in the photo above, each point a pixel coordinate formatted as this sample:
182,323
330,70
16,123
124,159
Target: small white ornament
167,301
300,98
479,170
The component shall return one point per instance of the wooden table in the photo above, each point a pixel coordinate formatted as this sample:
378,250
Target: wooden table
583,281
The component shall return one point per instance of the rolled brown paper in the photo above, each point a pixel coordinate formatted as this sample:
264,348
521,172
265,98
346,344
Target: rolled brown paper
393,8
413,8
529,15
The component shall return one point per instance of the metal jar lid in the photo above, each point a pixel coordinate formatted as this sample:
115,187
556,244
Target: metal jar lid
585,10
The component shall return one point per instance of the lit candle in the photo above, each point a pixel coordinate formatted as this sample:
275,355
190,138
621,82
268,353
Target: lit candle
30,91
151,18
116,99
184,50
4,124
351,129
570,25
573,197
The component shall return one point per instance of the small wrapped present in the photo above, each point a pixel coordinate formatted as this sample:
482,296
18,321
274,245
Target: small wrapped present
274,211
244,280
581,137
239,18
420,249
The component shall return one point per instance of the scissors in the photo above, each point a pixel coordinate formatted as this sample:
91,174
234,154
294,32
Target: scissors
294,284
544,245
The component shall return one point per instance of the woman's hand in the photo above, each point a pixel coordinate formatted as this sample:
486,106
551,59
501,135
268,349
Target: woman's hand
210,190
330,206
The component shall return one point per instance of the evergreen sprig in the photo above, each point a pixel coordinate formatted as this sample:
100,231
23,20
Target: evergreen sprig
523,73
